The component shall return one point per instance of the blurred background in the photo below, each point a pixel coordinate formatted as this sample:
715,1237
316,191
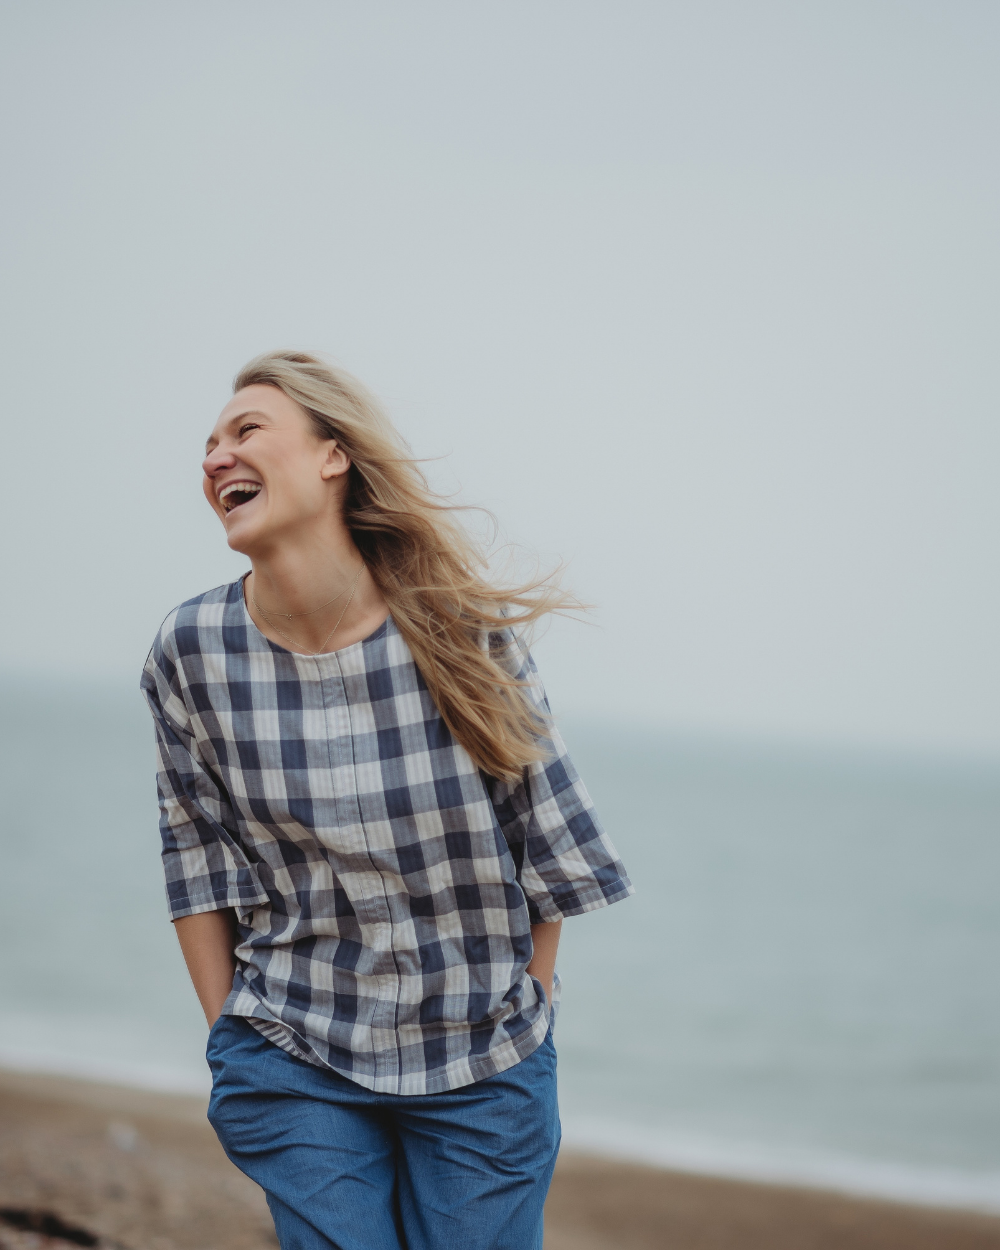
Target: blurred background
700,299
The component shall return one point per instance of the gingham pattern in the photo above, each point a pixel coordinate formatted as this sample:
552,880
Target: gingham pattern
384,887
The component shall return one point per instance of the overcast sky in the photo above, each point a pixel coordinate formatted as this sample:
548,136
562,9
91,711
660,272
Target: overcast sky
701,297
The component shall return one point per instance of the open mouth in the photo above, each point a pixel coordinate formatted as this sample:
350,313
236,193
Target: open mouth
237,493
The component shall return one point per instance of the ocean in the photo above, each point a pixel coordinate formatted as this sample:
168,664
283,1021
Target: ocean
804,988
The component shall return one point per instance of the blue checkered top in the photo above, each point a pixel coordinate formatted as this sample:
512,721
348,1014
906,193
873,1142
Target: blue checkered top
384,887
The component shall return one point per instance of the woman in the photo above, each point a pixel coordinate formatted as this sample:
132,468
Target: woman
371,835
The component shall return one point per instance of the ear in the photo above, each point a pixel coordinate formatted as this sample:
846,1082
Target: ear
337,461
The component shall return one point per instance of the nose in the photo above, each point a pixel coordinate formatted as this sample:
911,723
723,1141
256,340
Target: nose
217,460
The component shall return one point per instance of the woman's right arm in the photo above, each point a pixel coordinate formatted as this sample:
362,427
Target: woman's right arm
207,943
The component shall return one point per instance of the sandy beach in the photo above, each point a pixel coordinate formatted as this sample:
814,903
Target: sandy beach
122,1169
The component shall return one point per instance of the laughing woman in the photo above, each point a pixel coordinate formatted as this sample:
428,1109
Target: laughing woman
371,835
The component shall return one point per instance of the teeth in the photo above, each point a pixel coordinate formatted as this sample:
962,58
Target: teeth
246,488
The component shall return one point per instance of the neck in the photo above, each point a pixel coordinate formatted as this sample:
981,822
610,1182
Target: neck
301,576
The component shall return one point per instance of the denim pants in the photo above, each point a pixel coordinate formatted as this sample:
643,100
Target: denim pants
348,1169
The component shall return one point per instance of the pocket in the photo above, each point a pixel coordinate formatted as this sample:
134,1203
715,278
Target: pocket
217,1021
542,997
212,1042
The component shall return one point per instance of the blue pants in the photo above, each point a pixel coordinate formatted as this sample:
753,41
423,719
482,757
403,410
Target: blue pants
347,1169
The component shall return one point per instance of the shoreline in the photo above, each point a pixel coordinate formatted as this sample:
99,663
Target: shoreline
789,1168
142,1169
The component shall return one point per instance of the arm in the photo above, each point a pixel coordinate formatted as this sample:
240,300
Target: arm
545,938
207,943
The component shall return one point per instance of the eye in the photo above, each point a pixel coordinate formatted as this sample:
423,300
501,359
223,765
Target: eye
250,425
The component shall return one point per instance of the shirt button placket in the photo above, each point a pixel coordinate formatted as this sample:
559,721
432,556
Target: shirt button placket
373,907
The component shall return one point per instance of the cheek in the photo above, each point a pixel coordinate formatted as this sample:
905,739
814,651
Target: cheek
295,491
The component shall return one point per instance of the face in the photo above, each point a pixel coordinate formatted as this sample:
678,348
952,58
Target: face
268,476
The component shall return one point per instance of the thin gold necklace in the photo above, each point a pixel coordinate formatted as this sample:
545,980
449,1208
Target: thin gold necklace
322,646
291,615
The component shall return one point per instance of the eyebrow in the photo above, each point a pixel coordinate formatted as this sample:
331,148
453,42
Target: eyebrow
212,441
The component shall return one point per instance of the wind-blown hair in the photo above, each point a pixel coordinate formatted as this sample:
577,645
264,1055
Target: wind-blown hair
430,572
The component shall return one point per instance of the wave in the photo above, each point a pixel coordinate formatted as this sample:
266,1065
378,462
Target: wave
133,1075
763,1163
104,1050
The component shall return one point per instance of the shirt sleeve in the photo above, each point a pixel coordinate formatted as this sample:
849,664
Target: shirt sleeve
567,863
204,866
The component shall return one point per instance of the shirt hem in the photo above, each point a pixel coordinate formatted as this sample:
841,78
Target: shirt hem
590,900
458,1074
213,902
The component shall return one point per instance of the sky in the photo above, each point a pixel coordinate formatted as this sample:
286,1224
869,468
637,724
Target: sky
700,299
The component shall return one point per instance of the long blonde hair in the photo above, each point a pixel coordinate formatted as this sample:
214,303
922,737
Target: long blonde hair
429,570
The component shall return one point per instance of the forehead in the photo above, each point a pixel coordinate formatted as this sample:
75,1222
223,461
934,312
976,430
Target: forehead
263,401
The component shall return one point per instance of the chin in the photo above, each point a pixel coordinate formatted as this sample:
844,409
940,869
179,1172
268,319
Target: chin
242,537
